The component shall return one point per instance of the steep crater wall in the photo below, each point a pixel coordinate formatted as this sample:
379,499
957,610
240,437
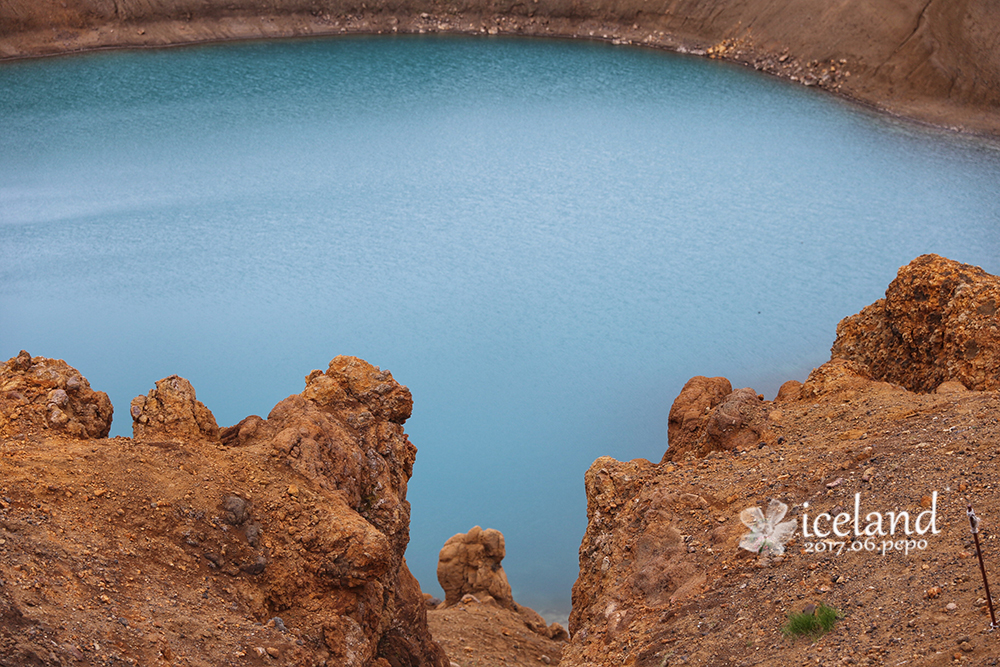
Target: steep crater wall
934,60
276,541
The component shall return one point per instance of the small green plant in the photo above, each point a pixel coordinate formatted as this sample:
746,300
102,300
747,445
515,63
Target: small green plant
803,624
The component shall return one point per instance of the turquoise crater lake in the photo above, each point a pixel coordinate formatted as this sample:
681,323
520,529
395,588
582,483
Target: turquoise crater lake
542,239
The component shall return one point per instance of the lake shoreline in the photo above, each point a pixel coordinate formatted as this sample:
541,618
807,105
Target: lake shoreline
843,71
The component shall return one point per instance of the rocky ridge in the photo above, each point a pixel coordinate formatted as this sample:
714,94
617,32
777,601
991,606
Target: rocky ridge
663,580
277,541
934,61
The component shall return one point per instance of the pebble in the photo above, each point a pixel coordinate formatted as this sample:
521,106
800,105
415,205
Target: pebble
951,606
933,591
273,652
965,646
546,659
834,483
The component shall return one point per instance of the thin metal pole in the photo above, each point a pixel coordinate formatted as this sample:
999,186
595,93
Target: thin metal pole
974,523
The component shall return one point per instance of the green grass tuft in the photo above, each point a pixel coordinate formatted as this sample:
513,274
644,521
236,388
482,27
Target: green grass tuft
811,625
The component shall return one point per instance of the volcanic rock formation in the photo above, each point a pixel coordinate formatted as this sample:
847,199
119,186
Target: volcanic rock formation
469,564
663,579
172,413
938,322
469,571
709,416
283,545
39,395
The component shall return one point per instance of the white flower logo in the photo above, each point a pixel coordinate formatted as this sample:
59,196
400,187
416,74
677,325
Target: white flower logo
766,533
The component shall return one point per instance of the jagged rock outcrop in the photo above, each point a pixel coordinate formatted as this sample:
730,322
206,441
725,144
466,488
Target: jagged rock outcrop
282,543
708,416
690,410
40,395
344,435
635,556
938,322
172,413
663,579
469,564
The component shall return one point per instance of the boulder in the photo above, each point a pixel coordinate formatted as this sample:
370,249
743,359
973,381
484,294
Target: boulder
48,395
469,564
703,420
937,323
691,408
172,413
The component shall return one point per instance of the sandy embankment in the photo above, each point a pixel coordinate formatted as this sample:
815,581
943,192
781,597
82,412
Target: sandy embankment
936,61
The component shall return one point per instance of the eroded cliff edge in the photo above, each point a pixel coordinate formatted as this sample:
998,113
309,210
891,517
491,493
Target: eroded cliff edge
903,418
275,541
932,60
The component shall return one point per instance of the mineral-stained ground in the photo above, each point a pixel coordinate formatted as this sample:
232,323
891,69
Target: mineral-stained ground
280,540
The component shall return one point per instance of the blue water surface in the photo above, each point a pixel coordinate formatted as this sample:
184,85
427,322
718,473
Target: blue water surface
542,239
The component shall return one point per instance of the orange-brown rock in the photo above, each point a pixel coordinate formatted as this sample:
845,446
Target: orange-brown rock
284,547
478,633
635,555
469,564
470,573
703,419
690,410
837,376
344,435
172,413
344,432
39,395
938,322
663,578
